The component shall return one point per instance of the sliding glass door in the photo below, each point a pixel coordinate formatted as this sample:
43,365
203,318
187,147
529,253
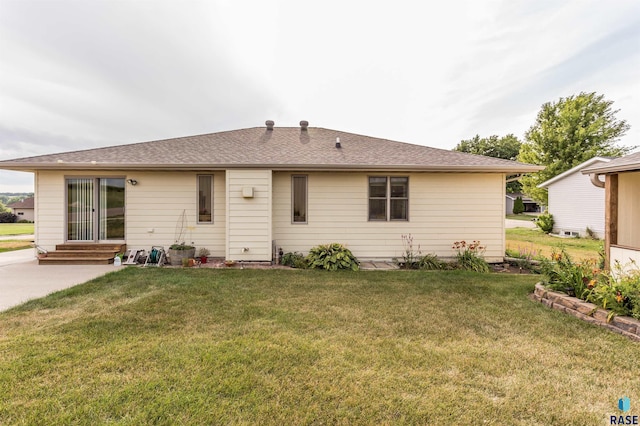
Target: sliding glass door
111,209
95,209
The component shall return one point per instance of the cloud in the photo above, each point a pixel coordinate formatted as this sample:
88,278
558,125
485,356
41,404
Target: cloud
85,74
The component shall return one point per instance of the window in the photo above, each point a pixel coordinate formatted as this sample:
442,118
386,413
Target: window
299,198
388,198
205,199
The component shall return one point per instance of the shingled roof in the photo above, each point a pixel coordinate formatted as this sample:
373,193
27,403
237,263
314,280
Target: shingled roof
623,164
282,148
27,203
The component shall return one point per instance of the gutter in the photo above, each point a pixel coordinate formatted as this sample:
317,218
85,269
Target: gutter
32,167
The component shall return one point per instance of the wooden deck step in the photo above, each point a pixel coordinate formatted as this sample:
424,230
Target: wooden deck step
74,261
82,254
91,246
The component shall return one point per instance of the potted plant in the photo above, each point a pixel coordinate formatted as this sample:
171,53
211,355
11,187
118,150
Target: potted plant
180,251
203,253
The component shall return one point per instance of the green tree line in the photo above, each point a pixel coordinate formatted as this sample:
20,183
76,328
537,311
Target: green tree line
566,132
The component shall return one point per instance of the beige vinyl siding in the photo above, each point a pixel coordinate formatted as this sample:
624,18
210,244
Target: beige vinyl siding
50,209
629,209
576,204
443,208
152,209
155,205
249,218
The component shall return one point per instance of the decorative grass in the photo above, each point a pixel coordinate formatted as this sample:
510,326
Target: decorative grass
203,346
536,241
16,229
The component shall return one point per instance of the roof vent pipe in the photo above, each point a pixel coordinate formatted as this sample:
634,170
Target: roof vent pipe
269,124
338,143
303,125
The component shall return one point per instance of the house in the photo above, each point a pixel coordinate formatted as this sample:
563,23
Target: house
245,193
530,206
575,203
622,207
23,209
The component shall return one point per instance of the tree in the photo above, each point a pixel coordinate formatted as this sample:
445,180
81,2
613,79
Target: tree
8,217
567,133
518,206
506,147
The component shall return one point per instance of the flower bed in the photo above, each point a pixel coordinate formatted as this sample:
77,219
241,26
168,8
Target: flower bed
617,291
586,311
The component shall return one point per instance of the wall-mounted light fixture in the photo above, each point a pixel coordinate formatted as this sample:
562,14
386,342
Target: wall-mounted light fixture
132,182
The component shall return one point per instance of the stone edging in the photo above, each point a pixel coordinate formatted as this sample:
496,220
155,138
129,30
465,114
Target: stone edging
586,311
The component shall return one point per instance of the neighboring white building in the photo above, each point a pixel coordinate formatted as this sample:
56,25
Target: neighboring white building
243,192
530,206
575,203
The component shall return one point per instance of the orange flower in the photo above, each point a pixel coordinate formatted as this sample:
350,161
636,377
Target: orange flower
591,284
619,297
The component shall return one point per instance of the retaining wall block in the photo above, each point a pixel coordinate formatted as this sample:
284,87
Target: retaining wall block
601,315
626,326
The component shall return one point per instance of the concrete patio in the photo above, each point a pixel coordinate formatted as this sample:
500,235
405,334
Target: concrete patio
22,279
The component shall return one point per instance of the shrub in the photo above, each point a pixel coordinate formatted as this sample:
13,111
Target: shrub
619,292
7,217
518,206
410,256
563,274
545,222
332,257
470,256
181,246
203,252
431,262
294,260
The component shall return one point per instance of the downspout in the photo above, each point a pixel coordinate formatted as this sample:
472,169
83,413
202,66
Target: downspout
595,179
513,178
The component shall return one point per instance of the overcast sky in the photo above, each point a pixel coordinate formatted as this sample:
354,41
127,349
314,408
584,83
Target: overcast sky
84,74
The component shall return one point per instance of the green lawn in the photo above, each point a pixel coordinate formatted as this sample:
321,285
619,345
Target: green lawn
204,346
528,217
11,245
10,229
537,242
16,229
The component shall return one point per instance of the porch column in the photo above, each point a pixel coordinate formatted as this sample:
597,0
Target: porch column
610,215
